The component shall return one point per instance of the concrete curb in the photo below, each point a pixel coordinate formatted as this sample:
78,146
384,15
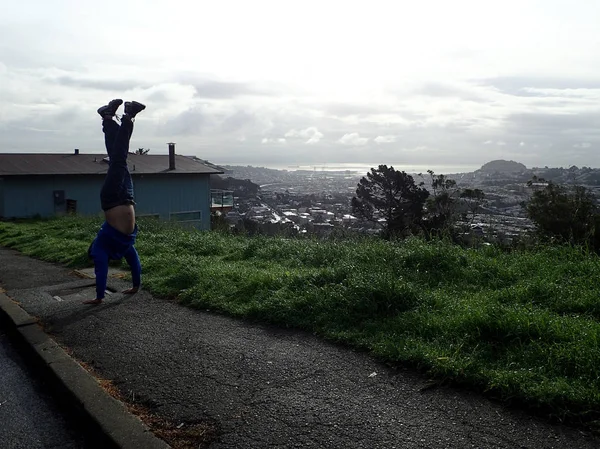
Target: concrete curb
122,428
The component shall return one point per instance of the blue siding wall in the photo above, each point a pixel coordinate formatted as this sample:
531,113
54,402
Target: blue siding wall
162,195
26,196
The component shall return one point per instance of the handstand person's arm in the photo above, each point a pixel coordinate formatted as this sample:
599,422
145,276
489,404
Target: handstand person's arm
132,258
101,271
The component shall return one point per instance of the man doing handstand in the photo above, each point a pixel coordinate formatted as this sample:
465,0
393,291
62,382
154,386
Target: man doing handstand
116,237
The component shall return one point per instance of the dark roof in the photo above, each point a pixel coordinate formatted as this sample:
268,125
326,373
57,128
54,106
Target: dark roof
92,164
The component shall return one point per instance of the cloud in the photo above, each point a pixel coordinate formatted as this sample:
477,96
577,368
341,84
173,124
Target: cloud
584,123
204,88
582,145
273,140
221,108
238,120
99,84
499,143
191,122
353,139
341,109
211,88
529,85
312,134
438,89
570,93
226,90
385,139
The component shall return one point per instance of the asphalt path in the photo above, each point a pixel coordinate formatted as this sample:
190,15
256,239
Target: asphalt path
29,416
263,386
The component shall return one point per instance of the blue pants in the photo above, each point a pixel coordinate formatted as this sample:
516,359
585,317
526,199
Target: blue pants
118,186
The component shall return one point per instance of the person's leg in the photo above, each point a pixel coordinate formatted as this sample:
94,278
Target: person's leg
110,129
132,108
133,260
109,126
101,270
120,144
118,186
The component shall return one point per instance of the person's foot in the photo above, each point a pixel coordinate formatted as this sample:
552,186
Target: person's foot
93,301
133,107
131,291
110,109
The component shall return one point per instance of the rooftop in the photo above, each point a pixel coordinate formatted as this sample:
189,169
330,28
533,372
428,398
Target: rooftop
15,164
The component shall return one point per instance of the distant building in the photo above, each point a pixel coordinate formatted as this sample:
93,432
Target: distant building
291,216
536,186
304,218
321,228
348,219
233,217
169,187
318,213
258,210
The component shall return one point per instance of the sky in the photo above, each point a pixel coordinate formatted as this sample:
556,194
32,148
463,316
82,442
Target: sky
428,82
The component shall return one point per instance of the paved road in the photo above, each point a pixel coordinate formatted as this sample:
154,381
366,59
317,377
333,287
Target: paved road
264,386
29,418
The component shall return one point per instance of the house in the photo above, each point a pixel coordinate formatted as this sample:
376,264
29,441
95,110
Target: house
321,228
348,219
169,187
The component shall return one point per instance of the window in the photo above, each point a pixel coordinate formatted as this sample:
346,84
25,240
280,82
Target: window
190,219
155,216
186,216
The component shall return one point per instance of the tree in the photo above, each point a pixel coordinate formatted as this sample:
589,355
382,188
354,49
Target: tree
391,199
142,151
441,205
473,199
566,214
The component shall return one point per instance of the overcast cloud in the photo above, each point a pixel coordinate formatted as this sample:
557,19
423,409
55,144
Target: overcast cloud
312,82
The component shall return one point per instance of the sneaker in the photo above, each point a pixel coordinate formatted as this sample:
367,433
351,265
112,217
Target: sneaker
133,107
110,109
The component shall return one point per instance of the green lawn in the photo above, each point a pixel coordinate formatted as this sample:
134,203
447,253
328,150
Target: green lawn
522,325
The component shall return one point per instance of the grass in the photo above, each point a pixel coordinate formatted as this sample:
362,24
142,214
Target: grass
524,325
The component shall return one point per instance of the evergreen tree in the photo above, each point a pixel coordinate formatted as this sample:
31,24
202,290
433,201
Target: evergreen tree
391,199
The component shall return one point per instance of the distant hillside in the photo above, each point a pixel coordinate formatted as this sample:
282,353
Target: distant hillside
240,187
503,166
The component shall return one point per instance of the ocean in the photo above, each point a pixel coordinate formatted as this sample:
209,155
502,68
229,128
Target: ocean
362,168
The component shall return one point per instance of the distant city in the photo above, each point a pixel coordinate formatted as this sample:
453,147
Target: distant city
317,199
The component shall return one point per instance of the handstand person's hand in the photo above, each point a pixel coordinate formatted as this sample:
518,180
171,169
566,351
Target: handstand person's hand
131,291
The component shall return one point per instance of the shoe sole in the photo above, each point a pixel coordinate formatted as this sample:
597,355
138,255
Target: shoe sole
110,107
139,107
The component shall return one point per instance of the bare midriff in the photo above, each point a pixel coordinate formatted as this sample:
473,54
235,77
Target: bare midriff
122,218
